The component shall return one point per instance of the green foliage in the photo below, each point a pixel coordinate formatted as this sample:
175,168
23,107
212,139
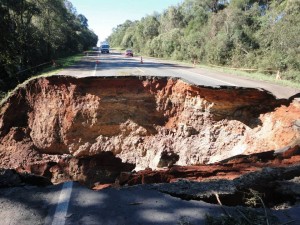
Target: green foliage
251,34
291,75
48,71
35,32
150,26
119,32
280,36
219,49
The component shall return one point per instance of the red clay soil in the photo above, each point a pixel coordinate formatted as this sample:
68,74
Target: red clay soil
92,129
229,170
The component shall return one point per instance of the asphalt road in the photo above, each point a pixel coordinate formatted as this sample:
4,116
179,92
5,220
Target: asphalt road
72,204
115,64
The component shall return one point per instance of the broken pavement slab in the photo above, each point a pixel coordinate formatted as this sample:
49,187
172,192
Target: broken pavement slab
129,206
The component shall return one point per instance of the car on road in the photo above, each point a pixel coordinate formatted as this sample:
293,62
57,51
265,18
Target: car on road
104,48
129,52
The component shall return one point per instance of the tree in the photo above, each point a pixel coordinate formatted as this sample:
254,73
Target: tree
260,34
119,32
279,37
150,27
83,21
36,31
171,18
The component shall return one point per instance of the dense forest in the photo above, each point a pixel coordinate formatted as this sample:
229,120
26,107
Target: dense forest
257,34
35,32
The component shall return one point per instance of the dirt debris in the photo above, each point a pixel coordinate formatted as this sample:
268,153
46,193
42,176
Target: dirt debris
11,178
64,126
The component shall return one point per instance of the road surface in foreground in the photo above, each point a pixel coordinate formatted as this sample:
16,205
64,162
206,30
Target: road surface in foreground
73,204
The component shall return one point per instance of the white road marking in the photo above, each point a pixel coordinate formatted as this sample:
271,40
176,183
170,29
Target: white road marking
210,78
140,70
95,70
62,204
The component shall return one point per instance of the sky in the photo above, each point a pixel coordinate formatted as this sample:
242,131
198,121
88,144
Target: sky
104,15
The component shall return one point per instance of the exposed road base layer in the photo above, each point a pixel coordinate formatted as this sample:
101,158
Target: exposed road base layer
92,129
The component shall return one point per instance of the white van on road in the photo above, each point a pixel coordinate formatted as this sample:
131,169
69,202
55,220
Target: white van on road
104,48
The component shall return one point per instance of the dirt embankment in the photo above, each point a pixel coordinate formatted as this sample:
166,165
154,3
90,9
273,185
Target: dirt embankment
68,128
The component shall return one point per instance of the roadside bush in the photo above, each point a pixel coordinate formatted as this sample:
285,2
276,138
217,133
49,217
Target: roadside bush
292,75
219,50
177,55
239,33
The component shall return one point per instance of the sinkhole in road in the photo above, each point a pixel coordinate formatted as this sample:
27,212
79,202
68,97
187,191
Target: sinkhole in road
97,130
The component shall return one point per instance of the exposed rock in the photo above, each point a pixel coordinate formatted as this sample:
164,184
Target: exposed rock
102,168
34,180
145,122
11,178
167,159
273,184
229,169
288,151
110,132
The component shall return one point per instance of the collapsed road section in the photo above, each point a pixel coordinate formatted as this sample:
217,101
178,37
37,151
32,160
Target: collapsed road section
92,129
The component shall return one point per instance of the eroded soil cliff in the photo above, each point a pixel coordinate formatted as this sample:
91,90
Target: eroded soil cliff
93,128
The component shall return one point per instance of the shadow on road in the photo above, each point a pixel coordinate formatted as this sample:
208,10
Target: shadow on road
116,61
134,206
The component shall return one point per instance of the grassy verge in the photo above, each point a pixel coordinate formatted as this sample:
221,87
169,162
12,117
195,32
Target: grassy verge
255,76
61,64
48,71
271,78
